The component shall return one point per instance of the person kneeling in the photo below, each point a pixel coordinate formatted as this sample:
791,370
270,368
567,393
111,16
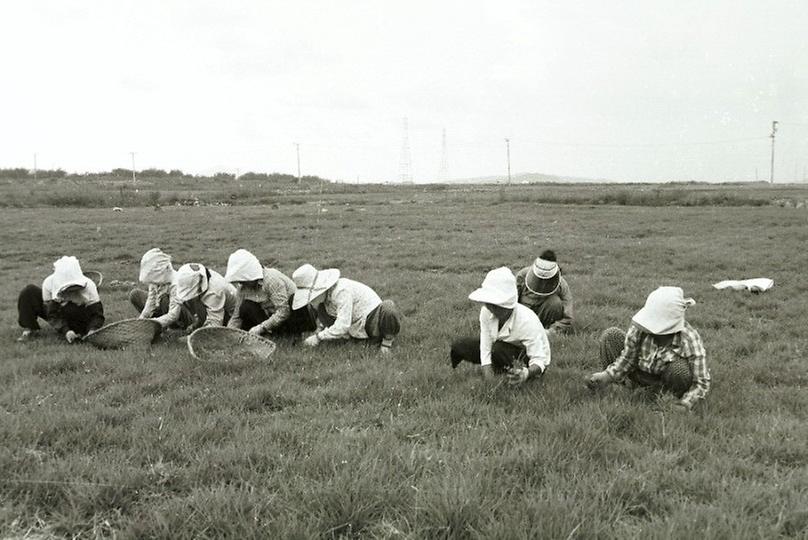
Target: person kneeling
68,300
206,294
510,333
344,308
264,299
659,350
160,302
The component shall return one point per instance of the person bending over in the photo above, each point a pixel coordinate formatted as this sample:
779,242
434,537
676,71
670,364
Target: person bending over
67,300
206,294
160,302
264,298
544,290
344,308
512,339
660,349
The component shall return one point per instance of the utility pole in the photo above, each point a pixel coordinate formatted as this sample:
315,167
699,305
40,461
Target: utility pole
134,178
508,150
443,172
405,164
297,145
774,130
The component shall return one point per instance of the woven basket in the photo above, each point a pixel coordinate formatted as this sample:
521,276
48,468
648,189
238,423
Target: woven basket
120,334
96,277
225,345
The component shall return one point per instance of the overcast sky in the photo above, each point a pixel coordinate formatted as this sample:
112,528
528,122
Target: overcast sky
625,90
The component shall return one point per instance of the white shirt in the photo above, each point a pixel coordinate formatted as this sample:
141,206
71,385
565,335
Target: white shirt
350,303
522,328
220,298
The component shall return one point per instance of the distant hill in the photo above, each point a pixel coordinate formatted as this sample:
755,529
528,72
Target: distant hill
529,178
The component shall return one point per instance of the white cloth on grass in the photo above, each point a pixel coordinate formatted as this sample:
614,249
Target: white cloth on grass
753,285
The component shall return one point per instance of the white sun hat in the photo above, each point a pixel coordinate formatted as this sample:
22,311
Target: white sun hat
243,266
664,311
192,280
498,288
155,267
311,283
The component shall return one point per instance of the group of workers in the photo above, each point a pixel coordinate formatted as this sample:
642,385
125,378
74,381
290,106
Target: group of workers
249,297
518,312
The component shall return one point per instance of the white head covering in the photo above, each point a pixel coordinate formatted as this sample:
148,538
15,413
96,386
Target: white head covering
67,273
192,280
664,311
311,283
498,288
243,266
155,267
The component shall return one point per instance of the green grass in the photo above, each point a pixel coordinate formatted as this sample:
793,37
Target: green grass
338,442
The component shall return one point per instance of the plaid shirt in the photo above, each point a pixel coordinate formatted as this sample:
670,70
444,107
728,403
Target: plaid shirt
641,352
273,295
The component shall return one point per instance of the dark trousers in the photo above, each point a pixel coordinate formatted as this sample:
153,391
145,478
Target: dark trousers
675,378
137,297
30,307
503,355
70,316
384,322
299,321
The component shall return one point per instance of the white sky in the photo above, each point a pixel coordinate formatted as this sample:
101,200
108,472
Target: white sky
617,89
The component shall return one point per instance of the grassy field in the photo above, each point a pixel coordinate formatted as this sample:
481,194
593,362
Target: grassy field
338,442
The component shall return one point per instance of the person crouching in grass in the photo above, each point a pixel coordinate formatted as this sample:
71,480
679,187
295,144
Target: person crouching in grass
344,308
264,299
660,349
544,290
206,294
160,301
67,300
512,339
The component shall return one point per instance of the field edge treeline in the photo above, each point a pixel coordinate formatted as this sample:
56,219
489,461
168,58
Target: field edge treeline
19,188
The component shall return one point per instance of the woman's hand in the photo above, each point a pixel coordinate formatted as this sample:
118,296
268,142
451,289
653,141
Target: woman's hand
596,380
518,375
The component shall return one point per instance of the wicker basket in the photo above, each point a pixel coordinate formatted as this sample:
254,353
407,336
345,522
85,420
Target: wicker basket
225,345
96,277
120,334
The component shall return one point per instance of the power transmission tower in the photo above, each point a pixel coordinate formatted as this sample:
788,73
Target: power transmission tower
406,158
443,173
774,130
